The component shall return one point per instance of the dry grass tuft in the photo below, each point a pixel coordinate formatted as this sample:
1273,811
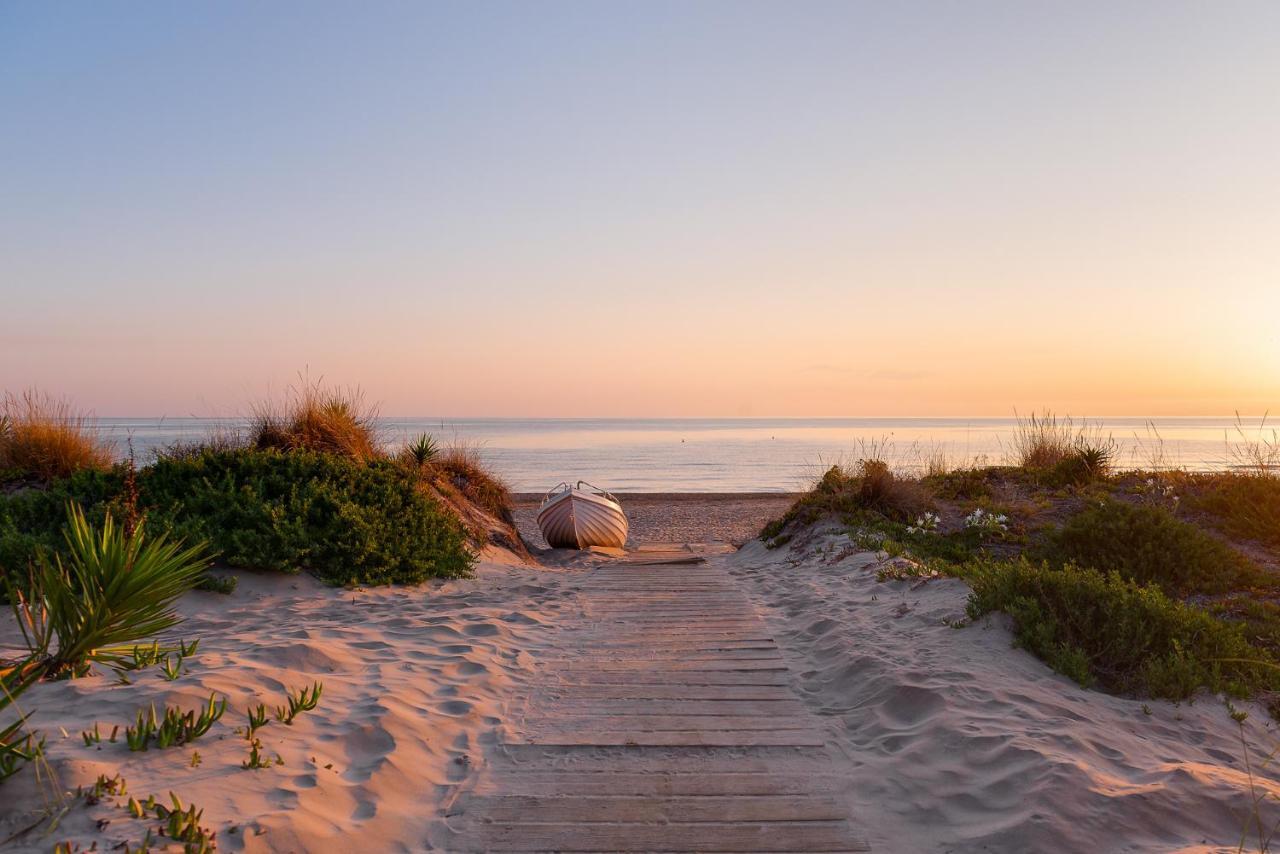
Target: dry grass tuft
220,439
1257,453
45,438
461,466
315,418
1042,441
1059,450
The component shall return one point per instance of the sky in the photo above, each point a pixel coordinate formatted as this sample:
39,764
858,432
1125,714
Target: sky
643,209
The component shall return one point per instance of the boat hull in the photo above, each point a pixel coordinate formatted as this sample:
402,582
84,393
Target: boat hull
579,520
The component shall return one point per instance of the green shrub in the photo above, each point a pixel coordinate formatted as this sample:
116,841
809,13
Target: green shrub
1243,505
1126,637
1150,544
1081,465
962,484
32,520
869,487
349,522
114,589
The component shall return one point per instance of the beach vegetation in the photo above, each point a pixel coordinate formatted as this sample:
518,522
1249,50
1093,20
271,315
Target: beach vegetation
421,450
850,492
962,484
104,592
1146,543
257,716
1059,452
461,469
1240,504
257,759
1107,630
43,438
348,522
302,700
175,727
315,417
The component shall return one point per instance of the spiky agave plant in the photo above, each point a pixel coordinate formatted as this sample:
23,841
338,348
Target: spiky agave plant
423,449
114,589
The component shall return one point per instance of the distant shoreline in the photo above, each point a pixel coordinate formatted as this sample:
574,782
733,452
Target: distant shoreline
677,517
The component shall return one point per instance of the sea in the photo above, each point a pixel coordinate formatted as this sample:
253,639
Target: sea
736,454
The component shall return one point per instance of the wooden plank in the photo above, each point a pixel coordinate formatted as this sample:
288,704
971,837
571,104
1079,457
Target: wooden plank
667,664
564,721
639,738
657,784
668,691
612,706
593,809
690,759
676,677
705,836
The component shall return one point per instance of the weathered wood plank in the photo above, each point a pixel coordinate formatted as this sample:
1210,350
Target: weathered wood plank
566,721
640,738
788,836
657,784
611,706
668,691
609,808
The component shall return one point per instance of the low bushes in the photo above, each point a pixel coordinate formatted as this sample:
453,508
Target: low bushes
349,522
1242,505
870,486
1149,544
1124,636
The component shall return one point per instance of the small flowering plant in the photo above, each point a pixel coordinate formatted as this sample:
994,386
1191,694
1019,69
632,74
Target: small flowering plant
987,522
1160,494
927,523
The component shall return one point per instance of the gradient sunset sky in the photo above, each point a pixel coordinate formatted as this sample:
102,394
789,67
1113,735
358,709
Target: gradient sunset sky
617,209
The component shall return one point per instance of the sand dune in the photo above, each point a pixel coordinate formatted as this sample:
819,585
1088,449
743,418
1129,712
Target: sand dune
416,681
955,741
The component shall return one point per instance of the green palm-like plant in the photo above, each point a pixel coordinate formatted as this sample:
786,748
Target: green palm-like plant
423,449
114,589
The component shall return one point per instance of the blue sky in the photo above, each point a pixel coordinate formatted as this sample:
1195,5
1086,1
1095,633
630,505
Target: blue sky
723,208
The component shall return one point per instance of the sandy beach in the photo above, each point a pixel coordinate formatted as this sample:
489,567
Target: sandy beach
677,517
927,737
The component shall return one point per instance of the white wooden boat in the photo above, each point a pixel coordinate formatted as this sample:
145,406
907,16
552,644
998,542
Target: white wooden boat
574,517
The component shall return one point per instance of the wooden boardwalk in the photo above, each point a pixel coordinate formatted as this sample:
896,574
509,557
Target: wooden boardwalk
669,727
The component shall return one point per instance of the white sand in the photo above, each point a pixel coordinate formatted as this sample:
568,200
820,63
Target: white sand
957,742
416,682
951,739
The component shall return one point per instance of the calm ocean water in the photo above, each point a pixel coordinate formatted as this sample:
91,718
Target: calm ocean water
724,454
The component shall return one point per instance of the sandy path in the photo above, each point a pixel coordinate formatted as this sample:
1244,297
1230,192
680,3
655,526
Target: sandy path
666,724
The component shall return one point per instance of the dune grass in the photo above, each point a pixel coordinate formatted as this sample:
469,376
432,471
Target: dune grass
461,466
313,417
868,486
44,438
1059,452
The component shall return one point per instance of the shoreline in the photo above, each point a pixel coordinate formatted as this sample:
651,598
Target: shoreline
676,517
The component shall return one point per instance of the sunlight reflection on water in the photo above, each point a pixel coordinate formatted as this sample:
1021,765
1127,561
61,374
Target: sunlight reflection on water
720,454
